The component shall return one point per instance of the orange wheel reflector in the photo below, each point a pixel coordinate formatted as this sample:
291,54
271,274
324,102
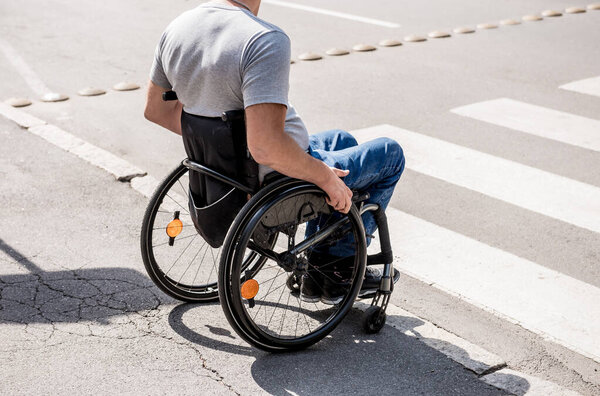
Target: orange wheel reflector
249,289
174,228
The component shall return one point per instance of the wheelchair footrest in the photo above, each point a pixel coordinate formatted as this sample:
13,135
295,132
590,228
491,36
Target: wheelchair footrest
380,258
367,294
364,294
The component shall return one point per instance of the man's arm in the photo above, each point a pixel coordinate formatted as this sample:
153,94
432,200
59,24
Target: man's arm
270,145
165,114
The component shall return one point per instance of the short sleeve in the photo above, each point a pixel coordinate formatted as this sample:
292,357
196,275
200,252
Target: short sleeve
266,69
157,71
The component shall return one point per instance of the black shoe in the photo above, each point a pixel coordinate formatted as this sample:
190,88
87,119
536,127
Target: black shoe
334,276
330,289
334,293
370,283
310,290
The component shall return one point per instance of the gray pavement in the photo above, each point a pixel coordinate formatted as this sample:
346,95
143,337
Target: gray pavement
64,219
78,315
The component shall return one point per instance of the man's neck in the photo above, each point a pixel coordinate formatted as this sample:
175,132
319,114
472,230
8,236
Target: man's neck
253,5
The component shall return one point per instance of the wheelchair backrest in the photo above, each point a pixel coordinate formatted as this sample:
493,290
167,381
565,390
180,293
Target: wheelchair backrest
220,145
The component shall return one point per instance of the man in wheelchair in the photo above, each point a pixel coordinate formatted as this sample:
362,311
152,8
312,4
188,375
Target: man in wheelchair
220,56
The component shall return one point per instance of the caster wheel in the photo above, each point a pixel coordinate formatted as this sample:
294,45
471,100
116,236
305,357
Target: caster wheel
373,320
293,283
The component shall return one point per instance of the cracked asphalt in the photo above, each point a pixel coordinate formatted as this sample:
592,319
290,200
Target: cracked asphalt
78,315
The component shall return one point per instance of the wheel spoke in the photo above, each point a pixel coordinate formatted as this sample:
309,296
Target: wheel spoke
275,308
176,260
328,277
273,277
298,317
185,192
268,292
177,238
172,199
213,267
198,269
284,313
162,228
189,265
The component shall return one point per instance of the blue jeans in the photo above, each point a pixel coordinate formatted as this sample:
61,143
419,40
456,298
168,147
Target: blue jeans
375,167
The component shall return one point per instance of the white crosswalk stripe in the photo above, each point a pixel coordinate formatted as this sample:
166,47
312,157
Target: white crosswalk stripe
556,306
555,196
589,86
540,121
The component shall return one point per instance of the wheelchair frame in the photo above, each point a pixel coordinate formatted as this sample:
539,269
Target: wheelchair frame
374,318
290,260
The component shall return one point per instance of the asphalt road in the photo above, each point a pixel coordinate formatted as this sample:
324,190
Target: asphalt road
413,87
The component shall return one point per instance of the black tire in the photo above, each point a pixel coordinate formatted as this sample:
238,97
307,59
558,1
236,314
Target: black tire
373,320
285,200
188,269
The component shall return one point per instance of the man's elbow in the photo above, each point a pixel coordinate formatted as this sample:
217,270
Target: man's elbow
260,155
149,115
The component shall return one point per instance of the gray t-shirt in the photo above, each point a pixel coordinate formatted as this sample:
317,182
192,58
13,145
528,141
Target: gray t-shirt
219,57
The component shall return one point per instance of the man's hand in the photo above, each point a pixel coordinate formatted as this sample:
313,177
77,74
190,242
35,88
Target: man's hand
339,195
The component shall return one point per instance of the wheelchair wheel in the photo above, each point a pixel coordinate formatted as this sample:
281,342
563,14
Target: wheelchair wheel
264,306
176,257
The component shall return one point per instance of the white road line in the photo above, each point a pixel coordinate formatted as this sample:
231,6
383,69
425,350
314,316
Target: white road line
540,121
533,189
30,77
517,383
332,13
146,186
560,308
116,166
458,349
22,118
589,86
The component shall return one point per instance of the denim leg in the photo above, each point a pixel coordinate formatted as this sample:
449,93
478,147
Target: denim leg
375,167
332,140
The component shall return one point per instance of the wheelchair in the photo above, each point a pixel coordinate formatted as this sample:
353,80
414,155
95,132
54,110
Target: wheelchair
270,249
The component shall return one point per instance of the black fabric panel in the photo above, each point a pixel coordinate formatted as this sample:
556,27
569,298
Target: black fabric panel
221,146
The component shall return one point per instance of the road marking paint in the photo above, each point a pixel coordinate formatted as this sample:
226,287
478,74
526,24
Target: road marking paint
30,77
517,383
337,14
116,166
540,121
559,308
458,349
23,119
542,192
589,86
517,289
145,185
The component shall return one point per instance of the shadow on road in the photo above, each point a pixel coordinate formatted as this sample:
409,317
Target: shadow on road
345,362
72,296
